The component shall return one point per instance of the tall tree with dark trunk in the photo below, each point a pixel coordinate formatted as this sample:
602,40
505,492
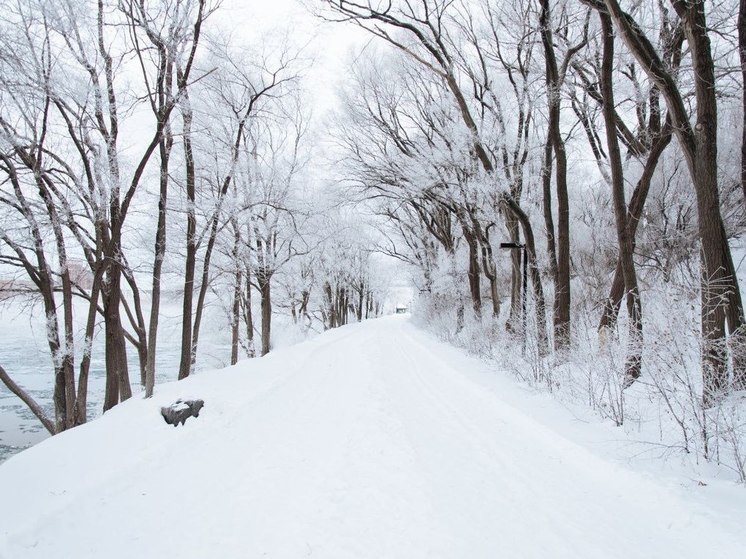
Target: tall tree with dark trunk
555,140
721,304
623,228
742,58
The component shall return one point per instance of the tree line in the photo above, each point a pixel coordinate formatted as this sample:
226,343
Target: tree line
144,153
546,124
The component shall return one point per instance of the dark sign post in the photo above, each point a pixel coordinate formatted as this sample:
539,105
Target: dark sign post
524,286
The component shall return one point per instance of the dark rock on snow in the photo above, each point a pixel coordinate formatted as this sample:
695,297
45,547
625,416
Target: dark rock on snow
181,410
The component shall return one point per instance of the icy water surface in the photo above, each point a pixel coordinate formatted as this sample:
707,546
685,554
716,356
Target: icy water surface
25,356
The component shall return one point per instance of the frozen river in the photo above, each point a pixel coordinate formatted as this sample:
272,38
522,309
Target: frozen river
25,356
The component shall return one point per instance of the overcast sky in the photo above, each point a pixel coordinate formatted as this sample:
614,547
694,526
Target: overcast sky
329,44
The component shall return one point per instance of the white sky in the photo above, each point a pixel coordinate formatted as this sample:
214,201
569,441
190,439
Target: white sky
329,44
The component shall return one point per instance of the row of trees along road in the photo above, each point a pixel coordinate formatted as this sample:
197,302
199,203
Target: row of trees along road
465,123
473,101
111,109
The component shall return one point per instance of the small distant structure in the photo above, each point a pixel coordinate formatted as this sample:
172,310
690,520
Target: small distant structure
401,309
181,410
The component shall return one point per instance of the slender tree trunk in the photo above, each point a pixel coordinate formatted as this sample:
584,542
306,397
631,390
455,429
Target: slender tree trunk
634,213
491,273
236,307
474,273
32,404
265,291
165,146
204,285
64,386
303,309
68,359
360,301
81,402
742,53
516,278
249,316
331,312
117,375
546,183
488,265
624,237
137,320
187,347
562,279
534,273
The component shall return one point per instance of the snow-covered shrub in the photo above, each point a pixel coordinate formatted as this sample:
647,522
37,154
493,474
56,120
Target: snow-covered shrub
664,407
729,437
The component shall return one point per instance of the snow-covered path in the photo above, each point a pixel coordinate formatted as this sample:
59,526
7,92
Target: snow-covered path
367,442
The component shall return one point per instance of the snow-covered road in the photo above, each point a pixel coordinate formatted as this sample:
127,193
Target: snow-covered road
367,442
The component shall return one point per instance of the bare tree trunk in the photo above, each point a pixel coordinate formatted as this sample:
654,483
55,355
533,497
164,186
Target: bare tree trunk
742,55
720,293
331,318
35,408
474,272
303,309
265,291
117,375
634,213
633,360
64,386
164,147
187,347
137,321
534,274
360,301
490,271
516,278
341,304
562,278
546,182
236,307
81,402
204,285
249,316
488,264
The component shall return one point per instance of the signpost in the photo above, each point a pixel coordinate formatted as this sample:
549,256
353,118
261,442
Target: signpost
524,286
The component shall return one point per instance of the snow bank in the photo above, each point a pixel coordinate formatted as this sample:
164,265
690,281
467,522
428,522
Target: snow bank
372,440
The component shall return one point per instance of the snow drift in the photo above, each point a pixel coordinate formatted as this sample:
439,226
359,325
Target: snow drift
372,440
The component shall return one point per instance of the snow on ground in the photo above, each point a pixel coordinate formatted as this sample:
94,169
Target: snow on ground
373,440
25,355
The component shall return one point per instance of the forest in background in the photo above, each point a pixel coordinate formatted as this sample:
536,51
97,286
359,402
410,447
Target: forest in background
601,143
144,153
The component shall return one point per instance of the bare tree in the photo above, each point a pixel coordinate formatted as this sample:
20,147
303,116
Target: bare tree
421,32
240,87
720,294
170,33
555,76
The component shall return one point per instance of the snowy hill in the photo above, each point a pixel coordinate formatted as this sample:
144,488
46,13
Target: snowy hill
372,440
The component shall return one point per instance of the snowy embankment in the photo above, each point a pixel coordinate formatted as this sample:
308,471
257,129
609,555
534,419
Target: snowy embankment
373,440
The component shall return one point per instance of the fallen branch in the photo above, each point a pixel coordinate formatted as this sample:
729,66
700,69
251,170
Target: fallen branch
29,401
